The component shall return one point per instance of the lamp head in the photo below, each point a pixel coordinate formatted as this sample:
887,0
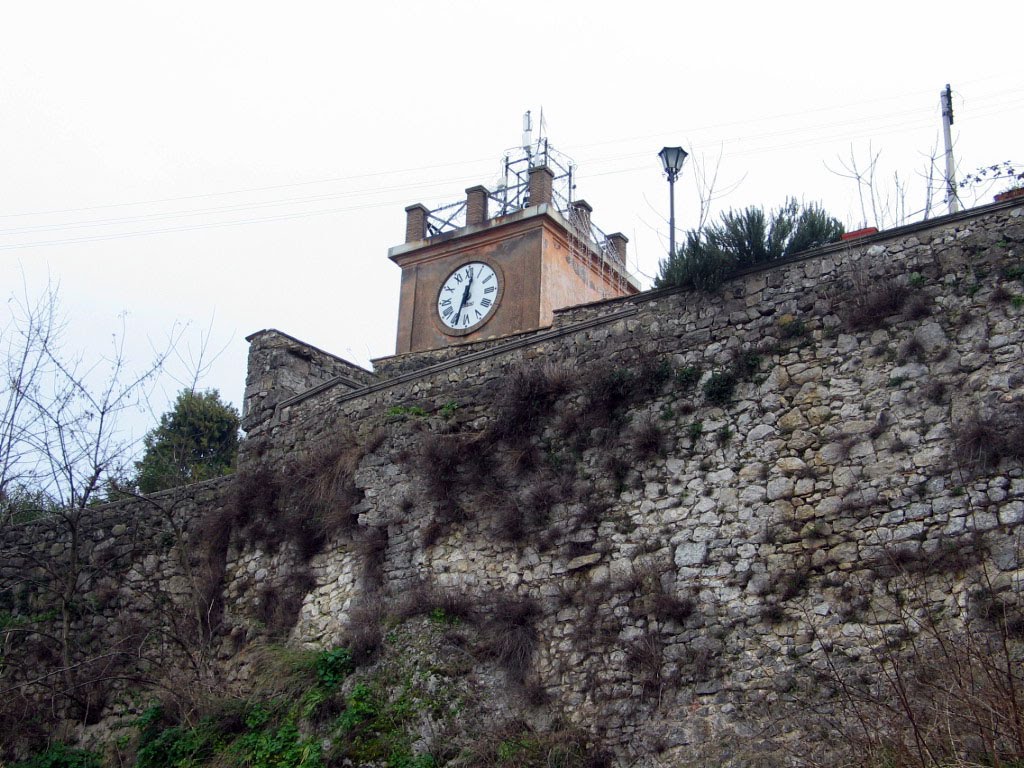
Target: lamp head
672,159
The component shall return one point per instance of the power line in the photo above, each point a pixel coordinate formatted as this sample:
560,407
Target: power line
243,190
814,132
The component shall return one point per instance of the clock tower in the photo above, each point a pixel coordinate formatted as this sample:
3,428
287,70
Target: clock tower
500,262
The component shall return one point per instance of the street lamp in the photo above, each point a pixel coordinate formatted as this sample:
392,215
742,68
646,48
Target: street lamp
672,159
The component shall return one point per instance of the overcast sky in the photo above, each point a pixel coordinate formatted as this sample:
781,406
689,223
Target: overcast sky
245,165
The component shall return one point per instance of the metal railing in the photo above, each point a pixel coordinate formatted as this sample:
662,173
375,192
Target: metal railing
512,194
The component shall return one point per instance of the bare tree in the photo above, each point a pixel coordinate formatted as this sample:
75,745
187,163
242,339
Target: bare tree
883,201
706,184
705,174
63,451
61,430
31,328
980,182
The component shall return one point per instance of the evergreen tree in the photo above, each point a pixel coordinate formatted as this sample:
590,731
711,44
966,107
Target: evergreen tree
196,440
744,239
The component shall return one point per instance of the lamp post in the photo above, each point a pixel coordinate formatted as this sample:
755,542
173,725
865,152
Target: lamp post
672,159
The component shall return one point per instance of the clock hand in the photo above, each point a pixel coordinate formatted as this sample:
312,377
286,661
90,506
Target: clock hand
465,295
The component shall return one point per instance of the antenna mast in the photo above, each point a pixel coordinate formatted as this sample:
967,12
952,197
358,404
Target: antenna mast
527,134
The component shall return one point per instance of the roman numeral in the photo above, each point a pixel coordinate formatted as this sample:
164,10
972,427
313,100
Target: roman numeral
469,272
485,302
449,288
445,302
465,322
490,289
458,278
447,311
488,278
478,315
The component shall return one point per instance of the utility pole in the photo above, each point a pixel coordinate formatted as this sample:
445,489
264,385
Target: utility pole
947,120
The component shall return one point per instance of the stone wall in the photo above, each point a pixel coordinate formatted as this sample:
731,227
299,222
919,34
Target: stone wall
281,367
100,603
786,515
714,504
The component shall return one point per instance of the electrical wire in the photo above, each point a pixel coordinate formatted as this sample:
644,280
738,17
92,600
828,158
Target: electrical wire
803,135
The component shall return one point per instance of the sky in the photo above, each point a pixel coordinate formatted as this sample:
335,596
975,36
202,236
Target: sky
216,168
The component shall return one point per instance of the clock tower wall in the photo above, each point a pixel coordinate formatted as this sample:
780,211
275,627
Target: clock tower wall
471,274
571,274
512,249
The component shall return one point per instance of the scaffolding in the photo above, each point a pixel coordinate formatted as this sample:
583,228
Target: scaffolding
590,248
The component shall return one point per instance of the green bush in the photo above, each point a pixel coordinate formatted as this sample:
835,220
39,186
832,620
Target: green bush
265,737
332,667
719,387
742,239
688,376
60,756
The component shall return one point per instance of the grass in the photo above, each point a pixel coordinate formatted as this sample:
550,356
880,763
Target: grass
688,376
517,745
648,440
510,635
527,400
867,307
982,442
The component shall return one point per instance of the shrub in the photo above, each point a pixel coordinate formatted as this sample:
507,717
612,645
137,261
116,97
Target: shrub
645,657
442,463
743,239
510,636
60,756
652,374
363,634
668,607
448,605
516,745
280,604
332,667
609,391
911,349
688,376
982,442
719,387
322,493
865,308
255,496
647,440
527,399
373,547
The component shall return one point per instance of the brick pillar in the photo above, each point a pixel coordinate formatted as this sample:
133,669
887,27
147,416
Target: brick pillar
416,222
617,244
476,205
541,178
581,211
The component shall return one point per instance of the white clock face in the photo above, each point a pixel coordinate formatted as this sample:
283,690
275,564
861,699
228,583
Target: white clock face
468,296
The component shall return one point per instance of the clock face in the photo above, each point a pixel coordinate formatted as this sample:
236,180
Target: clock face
468,297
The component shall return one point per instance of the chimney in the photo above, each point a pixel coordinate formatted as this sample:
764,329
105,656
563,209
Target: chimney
617,245
476,205
541,178
581,211
416,222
